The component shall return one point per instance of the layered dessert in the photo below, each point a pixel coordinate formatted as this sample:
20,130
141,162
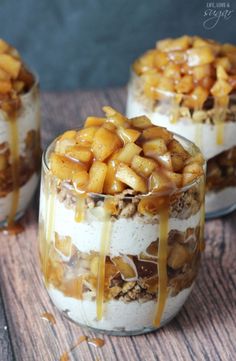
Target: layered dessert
121,223
19,135
188,85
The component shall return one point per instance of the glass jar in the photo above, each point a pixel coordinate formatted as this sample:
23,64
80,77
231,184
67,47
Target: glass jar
20,154
120,264
212,127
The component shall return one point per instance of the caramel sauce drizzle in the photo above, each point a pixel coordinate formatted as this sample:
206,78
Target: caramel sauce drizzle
220,133
80,208
162,265
47,316
65,355
104,246
49,227
96,342
14,149
202,214
198,134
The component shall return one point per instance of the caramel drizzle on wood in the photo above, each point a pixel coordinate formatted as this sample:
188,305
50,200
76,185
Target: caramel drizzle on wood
96,342
65,355
104,246
162,265
47,316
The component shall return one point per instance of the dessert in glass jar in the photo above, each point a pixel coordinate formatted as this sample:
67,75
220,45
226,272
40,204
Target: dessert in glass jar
19,136
121,223
188,85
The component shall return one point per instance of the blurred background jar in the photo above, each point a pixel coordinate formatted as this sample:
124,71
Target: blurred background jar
19,135
188,85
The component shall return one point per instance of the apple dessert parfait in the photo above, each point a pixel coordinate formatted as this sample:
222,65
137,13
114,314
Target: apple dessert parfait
19,135
121,223
188,85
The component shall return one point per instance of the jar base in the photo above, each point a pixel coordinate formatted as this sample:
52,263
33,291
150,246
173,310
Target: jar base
120,333
221,212
17,217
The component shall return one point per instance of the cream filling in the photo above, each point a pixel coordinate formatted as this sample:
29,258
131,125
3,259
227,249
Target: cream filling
118,316
25,195
204,135
129,235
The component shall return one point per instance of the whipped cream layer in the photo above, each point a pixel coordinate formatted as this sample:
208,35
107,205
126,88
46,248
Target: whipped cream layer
118,316
204,135
25,195
128,235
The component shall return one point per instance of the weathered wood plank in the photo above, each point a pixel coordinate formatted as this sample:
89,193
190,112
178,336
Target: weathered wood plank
5,342
204,330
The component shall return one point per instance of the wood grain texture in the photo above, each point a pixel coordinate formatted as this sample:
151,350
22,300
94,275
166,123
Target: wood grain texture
5,342
205,329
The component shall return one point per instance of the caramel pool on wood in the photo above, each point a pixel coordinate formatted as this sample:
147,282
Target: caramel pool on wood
121,221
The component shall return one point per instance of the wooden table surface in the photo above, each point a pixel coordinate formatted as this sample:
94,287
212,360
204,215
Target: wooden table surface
205,329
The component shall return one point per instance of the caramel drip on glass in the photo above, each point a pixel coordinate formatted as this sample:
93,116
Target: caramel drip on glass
80,208
202,214
174,109
198,134
104,246
220,127
14,149
219,118
49,228
162,265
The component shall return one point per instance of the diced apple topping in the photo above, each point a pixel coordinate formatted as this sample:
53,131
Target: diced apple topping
191,66
97,175
104,143
129,154
14,78
154,147
143,166
112,185
128,176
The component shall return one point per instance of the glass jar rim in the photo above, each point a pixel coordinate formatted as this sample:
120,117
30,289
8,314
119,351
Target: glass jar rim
194,148
172,95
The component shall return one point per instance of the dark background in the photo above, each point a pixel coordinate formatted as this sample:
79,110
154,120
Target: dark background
91,43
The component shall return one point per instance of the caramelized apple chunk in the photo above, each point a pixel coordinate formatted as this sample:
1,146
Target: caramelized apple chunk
104,143
143,166
127,176
127,153
97,175
63,167
130,154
